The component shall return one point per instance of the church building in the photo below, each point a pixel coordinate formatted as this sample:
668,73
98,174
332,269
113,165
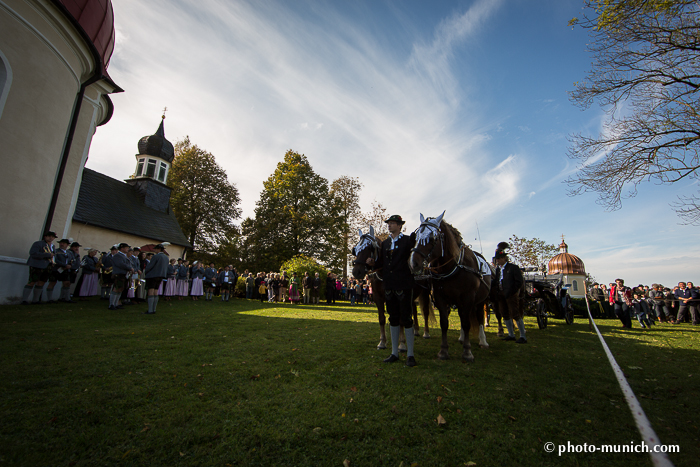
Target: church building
572,268
54,95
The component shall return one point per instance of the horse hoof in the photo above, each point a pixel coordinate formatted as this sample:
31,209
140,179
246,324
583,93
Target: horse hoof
402,350
443,356
416,334
381,347
484,346
468,358
500,334
402,347
426,336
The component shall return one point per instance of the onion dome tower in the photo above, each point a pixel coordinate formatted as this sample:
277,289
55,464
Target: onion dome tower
153,164
155,156
571,267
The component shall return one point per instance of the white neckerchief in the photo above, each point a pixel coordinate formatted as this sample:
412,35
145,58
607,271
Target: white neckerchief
394,240
500,279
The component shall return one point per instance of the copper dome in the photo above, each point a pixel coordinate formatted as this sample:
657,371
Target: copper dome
565,262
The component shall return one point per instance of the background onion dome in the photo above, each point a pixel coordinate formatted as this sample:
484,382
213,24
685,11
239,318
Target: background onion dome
565,262
156,145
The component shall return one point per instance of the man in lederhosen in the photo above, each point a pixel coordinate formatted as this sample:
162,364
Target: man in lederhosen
40,262
106,274
62,269
155,271
120,267
398,286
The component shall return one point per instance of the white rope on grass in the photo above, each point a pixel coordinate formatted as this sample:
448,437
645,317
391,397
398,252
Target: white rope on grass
660,459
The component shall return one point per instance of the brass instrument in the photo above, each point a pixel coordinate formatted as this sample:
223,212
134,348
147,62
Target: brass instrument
48,249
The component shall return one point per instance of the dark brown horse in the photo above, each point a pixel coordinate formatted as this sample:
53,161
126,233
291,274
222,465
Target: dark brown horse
368,247
456,277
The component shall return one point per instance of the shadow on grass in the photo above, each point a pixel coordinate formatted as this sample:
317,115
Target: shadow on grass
244,383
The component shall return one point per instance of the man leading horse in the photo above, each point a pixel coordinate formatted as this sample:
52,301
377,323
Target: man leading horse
398,286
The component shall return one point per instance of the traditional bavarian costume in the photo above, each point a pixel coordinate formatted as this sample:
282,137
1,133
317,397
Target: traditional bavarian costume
40,263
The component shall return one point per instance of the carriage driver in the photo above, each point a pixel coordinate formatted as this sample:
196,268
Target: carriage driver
510,283
398,285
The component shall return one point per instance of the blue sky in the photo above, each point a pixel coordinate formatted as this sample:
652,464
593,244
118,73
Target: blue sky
452,105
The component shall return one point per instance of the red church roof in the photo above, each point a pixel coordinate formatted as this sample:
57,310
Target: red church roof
96,18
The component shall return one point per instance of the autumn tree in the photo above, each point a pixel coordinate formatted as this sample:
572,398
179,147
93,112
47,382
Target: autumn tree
295,215
376,218
530,252
346,191
646,75
205,203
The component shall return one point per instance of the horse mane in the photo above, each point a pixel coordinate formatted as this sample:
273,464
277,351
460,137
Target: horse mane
453,239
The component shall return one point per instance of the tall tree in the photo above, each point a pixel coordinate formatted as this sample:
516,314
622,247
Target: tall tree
295,216
346,191
531,252
646,75
204,201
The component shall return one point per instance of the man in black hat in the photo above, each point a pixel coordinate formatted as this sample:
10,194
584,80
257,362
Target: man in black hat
398,286
40,262
510,281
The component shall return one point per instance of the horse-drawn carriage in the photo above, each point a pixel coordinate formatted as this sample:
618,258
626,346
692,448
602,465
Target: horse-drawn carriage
547,297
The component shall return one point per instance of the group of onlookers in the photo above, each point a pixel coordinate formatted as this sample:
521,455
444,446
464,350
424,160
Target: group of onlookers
125,275
649,305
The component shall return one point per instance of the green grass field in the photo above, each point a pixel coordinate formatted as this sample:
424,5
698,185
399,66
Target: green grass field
245,383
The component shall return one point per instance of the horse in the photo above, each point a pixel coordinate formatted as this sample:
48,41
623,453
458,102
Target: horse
457,278
369,246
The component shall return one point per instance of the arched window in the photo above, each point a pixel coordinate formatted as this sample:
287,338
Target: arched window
575,284
5,80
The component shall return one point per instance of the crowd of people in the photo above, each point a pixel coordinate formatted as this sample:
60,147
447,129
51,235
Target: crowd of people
126,275
649,305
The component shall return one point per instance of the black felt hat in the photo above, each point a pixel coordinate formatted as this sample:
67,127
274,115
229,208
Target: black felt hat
395,218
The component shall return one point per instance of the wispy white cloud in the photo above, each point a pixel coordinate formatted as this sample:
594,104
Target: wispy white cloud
247,81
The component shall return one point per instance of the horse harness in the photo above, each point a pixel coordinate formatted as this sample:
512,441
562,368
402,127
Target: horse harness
432,271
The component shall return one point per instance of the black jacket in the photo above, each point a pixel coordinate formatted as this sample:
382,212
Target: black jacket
512,279
394,263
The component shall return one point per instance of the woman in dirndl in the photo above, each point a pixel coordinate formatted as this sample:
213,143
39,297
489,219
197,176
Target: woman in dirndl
197,280
183,284
90,286
171,284
294,289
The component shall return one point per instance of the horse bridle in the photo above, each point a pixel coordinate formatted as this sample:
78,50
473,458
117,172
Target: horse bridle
371,243
434,233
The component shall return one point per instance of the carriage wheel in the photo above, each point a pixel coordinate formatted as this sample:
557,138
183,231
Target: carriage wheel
541,312
569,311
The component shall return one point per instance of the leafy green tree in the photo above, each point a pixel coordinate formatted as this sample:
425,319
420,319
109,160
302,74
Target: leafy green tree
346,191
204,201
302,264
646,75
296,215
530,252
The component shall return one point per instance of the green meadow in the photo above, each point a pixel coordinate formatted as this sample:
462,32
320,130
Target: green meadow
250,384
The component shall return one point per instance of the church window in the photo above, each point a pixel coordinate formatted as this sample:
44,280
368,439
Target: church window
139,169
575,284
151,168
162,173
